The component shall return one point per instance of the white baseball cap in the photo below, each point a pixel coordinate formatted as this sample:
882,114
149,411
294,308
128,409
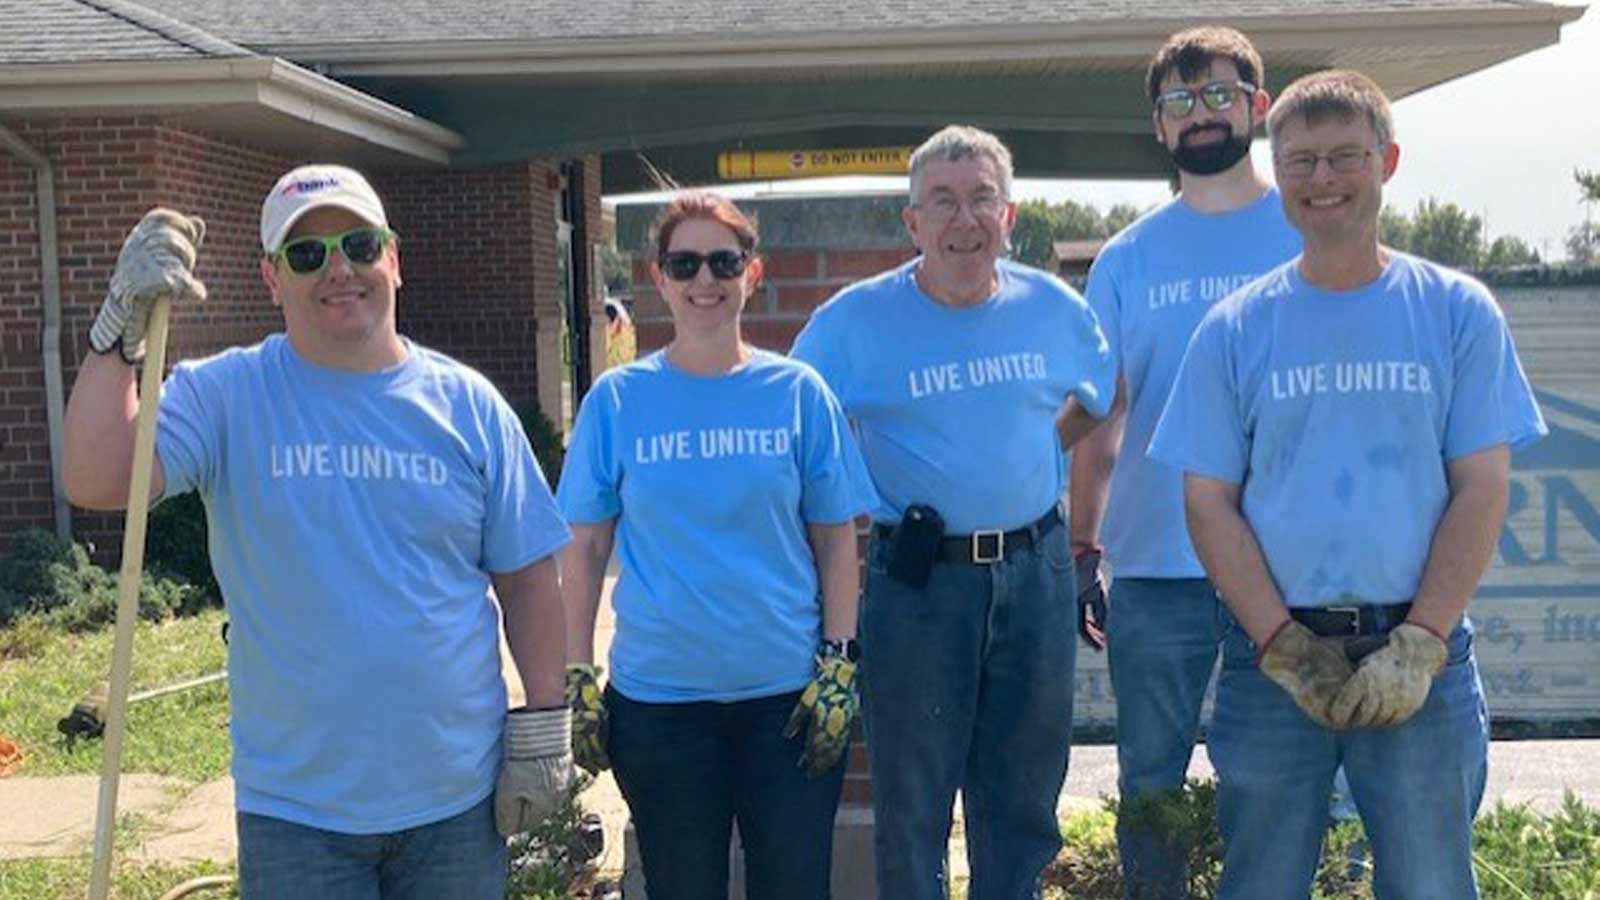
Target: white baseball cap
309,187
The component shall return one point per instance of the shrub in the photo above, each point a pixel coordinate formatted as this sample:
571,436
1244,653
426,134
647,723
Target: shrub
548,448
556,860
175,547
55,581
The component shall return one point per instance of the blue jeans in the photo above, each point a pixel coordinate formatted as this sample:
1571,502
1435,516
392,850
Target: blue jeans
1417,786
967,684
459,857
1164,635
690,770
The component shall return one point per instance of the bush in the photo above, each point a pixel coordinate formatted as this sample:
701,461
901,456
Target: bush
548,448
556,860
176,547
54,580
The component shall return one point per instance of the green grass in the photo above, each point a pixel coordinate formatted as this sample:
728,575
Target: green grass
68,879
43,672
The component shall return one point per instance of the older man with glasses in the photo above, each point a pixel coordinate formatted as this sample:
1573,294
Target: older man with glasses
364,495
967,641
1149,287
1345,426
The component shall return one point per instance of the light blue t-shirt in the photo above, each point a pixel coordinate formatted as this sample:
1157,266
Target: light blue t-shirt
955,406
1149,287
712,481
354,520
1338,412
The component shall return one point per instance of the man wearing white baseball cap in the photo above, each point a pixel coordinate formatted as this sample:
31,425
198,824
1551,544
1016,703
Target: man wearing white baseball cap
363,494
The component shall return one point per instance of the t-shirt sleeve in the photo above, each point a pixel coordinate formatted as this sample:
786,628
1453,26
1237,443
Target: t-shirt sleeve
1491,402
835,484
1201,429
1105,299
591,477
188,434
521,523
819,345
1095,381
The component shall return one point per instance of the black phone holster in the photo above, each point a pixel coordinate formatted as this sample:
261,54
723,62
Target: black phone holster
915,545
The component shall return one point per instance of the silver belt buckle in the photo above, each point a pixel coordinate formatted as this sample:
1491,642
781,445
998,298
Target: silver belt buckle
999,538
1355,616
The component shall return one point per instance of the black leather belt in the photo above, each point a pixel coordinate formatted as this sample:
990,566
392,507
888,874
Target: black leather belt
984,547
1350,621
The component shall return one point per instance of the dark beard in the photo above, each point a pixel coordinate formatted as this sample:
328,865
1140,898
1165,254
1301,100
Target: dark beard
1211,158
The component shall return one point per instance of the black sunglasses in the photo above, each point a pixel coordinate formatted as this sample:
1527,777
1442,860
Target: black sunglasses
362,247
684,265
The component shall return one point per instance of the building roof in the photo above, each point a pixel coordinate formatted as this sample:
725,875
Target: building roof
77,31
1075,251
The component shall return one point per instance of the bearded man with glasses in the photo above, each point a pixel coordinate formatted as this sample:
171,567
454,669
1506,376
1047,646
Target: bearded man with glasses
967,643
1345,426
364,495
1149,286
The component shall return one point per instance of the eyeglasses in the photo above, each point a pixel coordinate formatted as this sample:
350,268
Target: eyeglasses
308,255
1302,165
684,265
946,206
1217,96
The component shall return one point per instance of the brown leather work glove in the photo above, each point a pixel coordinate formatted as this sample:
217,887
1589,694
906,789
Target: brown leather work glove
1391,684
1311,669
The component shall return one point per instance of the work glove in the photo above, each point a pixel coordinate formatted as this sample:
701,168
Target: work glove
1311,669
1093,615
826,709
1393,682
537,771
588,717
157,259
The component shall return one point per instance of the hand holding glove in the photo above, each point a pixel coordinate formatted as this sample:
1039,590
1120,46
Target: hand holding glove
825,711
1392,683
1311,669
157,259
1093,615
537,771
588,717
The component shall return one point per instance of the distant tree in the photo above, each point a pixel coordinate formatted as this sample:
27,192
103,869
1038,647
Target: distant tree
1121,216
1078,221
618,270
1446,234
1394,229
1032,236
1589,183
1583,245
1507,251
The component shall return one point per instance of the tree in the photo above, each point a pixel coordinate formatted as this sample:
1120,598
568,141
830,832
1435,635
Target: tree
1121,216
1583,245
1394,229
1508,251
1589,182
1032,236
1446,234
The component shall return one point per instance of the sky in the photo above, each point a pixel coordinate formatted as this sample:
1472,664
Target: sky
1502,143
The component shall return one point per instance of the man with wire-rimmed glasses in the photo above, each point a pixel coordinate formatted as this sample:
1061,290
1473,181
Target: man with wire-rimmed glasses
1149,286
954,369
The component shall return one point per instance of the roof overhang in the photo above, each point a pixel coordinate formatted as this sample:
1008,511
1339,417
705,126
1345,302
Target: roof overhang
1068,98
263,101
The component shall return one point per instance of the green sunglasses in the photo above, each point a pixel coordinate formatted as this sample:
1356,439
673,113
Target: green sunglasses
360,246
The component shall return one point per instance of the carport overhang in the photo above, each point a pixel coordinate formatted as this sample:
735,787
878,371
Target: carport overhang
1068,99
262,102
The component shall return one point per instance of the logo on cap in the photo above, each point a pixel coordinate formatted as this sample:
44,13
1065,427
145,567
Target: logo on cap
315,184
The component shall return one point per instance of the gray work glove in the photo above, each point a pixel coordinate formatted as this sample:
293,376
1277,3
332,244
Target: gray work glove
1093,614
1393,682
537,772
1311,669
157,259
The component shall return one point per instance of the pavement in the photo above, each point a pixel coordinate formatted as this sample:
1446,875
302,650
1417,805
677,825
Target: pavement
177,821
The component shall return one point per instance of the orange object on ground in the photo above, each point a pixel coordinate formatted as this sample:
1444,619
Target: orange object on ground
10,756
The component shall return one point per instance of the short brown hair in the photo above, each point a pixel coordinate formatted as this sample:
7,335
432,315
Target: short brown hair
702,205
1191,51
1335,93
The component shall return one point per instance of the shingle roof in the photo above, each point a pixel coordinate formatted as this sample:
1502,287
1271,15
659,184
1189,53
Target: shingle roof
80,31
279,26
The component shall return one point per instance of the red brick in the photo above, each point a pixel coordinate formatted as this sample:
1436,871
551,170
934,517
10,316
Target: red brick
801,299
861,263
790,264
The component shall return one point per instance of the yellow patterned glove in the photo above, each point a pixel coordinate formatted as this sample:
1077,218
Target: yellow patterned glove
588,717
826,710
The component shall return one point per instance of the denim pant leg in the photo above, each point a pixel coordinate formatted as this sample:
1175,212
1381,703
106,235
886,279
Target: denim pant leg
785,818
673,763
1419,785
1023,733
1163,649
920,655
463,856
1274,771
280,859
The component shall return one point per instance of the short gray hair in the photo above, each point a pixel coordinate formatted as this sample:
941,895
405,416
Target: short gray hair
1334,93
954,143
